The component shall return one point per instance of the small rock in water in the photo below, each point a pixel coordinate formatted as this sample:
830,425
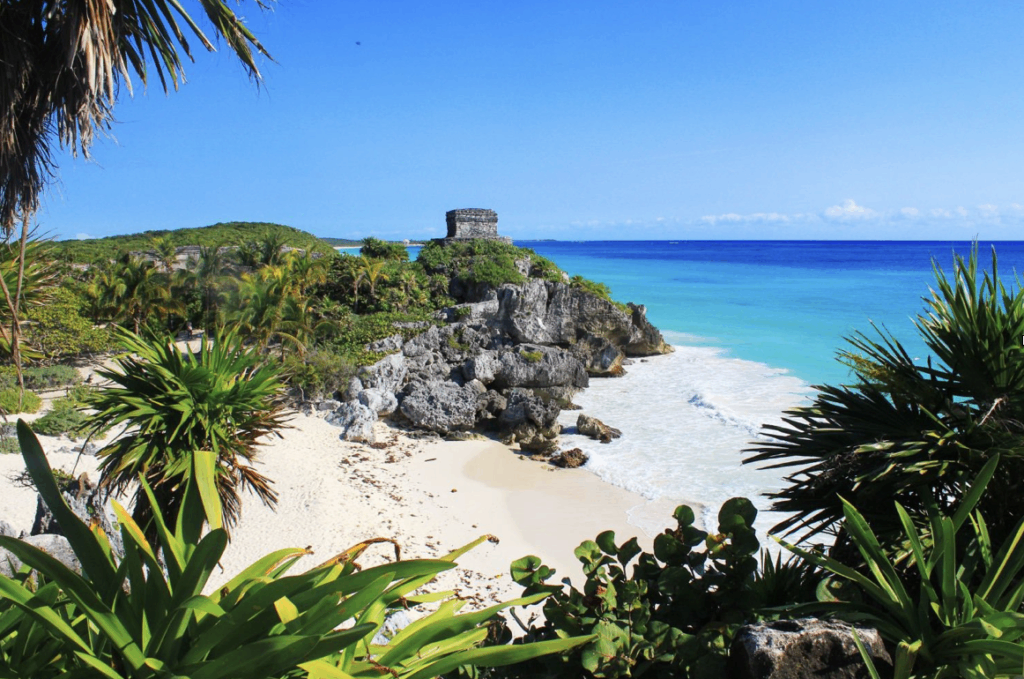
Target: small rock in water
570,459
596,429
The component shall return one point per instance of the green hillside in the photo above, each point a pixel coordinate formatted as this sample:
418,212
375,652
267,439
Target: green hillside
229,233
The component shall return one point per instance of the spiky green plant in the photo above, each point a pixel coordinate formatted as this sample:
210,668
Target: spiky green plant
909,430
223,398
963,615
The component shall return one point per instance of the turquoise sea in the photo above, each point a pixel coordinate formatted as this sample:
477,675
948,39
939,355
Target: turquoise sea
755,324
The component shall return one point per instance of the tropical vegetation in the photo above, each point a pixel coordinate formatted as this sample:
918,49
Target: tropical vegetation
917,431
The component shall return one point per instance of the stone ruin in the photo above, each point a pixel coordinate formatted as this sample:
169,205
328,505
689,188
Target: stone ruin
473,223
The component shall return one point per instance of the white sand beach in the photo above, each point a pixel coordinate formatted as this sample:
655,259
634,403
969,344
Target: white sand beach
429,496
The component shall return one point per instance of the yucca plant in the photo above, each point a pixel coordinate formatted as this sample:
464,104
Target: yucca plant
223,398
149,618
962,616
909,430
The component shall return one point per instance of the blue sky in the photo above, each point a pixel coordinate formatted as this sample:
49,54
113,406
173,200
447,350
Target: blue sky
582,120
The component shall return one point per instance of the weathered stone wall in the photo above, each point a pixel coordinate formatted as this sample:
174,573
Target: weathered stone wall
471,223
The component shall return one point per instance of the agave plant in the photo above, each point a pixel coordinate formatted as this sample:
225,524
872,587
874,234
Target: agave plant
143,618
910,430
963,617
174,404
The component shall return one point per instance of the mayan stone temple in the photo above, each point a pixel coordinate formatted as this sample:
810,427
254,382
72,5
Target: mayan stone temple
471,223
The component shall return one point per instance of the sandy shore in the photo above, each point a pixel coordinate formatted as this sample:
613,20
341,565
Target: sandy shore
429,496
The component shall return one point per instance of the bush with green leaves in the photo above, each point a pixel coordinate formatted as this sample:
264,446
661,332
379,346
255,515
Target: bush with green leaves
41,379
65,418
144,616
376,248
484,262
318,374
961,616
672,613
59,330
910,429
358,331
14,400
223,398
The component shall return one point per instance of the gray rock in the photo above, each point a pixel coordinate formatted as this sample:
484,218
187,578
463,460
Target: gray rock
599,356
355,420
89,504
544,312
388,345
384,403
440,406
56,546
387,374
424,343
805,648
351,391
530,421
596,429
328,404
527,365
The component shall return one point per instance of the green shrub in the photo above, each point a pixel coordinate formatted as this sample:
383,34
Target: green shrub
13,401
41,379
961,615
376,248
475,262
674,616
532,356
319,373
58,329
64,418
149,618
358,331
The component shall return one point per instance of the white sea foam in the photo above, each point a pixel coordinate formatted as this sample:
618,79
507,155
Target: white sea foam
685,419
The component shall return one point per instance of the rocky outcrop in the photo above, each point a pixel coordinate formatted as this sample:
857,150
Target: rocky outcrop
356,422
596,429
794,649
527,365
508,359
546,312
441,407
530,421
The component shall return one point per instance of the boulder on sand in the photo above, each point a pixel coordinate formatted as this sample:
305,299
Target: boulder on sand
441,407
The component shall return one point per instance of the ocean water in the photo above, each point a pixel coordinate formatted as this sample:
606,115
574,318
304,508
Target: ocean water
755,325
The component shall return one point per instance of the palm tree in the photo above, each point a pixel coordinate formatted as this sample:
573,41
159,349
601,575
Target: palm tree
373,272
63,65
210,269
166,252
223,398
139,291
307,270
920,433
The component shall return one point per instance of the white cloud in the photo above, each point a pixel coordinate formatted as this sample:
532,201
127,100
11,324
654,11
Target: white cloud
733,218
849,210
83,236
989,211
941,212
910,212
